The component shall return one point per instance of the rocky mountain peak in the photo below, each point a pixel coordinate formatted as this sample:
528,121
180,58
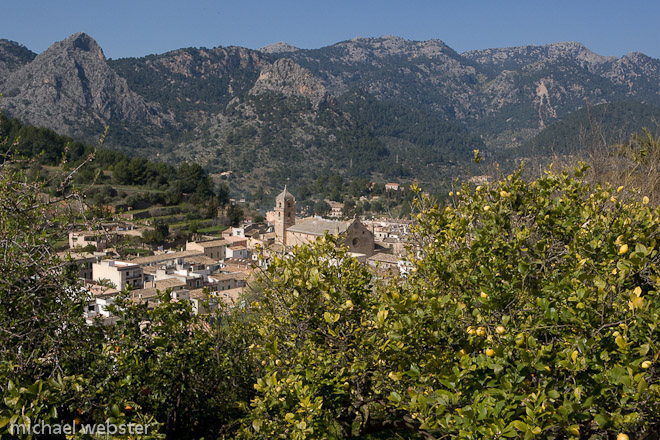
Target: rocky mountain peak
512,58
71,81
279,47
13,56
576,50
80,42
360,48
290,79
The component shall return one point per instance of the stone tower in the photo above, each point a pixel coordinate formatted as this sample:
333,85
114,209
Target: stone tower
285,214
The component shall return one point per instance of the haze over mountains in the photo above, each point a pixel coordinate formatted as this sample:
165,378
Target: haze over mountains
383,106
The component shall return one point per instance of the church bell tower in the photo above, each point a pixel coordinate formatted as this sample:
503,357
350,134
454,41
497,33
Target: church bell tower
285,214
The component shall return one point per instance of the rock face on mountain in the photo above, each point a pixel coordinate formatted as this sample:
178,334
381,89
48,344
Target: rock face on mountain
289,79
280,47
227,99
532,86
13,56
70,88
512,58
426,73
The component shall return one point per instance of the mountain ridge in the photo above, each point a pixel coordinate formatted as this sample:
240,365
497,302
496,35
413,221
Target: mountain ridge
211,103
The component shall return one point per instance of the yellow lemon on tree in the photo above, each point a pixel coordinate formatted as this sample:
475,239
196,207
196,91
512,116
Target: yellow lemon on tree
500,329
623,249
622,436
490,352
646,364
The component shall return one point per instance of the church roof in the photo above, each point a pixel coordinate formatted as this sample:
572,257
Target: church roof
285,195
319,226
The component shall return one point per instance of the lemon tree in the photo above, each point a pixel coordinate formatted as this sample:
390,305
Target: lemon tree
531,312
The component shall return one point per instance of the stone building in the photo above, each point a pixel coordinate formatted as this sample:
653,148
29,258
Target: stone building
285,215
354,235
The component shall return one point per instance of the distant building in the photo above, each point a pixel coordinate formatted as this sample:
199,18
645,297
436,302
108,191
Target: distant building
353,235
96,308
167,258
214,249
82,261
285,215
119,273
237,252
392,187
336,209
98,239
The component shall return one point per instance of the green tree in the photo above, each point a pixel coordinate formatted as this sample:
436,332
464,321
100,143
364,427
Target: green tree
188,371
235,214
530,311
158,234
321,207
41,301
223,194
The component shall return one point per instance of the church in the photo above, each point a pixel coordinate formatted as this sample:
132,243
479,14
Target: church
354,234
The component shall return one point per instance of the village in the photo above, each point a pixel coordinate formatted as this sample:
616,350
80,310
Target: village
211,270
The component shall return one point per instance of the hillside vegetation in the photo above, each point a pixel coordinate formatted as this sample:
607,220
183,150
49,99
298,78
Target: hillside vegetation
531,311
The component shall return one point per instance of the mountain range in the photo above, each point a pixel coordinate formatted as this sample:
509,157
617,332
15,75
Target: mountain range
385,108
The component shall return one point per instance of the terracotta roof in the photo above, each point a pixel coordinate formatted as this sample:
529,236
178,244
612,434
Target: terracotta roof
212,243
384,258
285,195
202,259
149,292
230,276
76,255
164,257
169,282
199,294
230,296
318,226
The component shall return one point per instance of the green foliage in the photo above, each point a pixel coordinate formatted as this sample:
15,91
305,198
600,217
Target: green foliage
197,89
438,142
40,301
158,234
184,370
531,311
223,194
235,215
588,128
321,207
316,341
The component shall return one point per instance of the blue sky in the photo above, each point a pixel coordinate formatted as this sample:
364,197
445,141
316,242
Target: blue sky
141,27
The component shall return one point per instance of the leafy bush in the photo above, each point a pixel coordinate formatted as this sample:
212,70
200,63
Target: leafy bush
531,311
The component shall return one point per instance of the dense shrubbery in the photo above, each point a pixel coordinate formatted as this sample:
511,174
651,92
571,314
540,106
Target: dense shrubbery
531,311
